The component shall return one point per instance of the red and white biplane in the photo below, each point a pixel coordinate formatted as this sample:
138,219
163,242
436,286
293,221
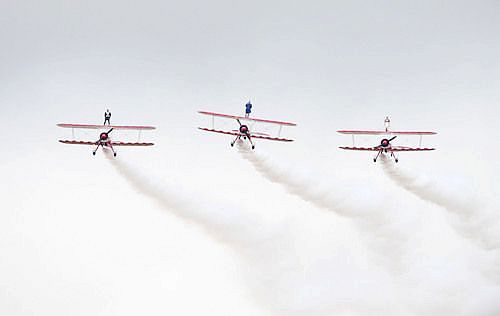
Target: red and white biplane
385,146
244,131
104,140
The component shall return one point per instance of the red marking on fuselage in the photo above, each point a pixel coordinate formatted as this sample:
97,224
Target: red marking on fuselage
244,129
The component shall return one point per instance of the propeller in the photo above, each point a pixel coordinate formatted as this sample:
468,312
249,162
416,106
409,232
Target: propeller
239,121
385,142
110,131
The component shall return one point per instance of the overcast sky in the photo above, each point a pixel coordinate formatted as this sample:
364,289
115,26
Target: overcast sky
195,227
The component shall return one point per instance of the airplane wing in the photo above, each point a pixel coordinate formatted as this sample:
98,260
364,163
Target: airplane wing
77,142
272,138
255,133
131,144
246,118
361,148
401,148
359,132
258,135
219,131
123,127
394,148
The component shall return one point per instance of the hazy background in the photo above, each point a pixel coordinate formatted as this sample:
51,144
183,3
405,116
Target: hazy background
194,227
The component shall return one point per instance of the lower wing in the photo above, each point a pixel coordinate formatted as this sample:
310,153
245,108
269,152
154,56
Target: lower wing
394,148
401,148
257,135
357,132
219,131
77,142
131,144
272,138
361,148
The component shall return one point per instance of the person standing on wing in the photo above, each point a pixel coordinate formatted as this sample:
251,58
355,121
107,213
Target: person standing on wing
248,109
107,117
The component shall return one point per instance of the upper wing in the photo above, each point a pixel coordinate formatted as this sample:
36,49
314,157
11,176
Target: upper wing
394,148
246,118
357,132
88,126
131,144
77,142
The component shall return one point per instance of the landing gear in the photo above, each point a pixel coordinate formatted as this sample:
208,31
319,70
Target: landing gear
235,140
394,155
98,145
376,157
113,150
251,143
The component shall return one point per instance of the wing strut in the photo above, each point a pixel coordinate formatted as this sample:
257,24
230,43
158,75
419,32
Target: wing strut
420,141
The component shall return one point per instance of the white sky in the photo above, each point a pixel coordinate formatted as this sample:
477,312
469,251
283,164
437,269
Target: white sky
215,236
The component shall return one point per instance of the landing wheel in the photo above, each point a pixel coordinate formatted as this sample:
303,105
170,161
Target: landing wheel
232,144
374,160
396,160
114,154
93,153
253,147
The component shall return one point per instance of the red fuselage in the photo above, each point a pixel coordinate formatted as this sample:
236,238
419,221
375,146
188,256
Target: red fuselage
104,139
244,129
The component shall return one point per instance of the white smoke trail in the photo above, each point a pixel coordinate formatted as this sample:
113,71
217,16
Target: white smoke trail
178,202
474,222
300,187
268,249
300,265
367,211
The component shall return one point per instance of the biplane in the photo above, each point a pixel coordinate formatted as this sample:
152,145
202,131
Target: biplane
385,146
104,140
245,129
